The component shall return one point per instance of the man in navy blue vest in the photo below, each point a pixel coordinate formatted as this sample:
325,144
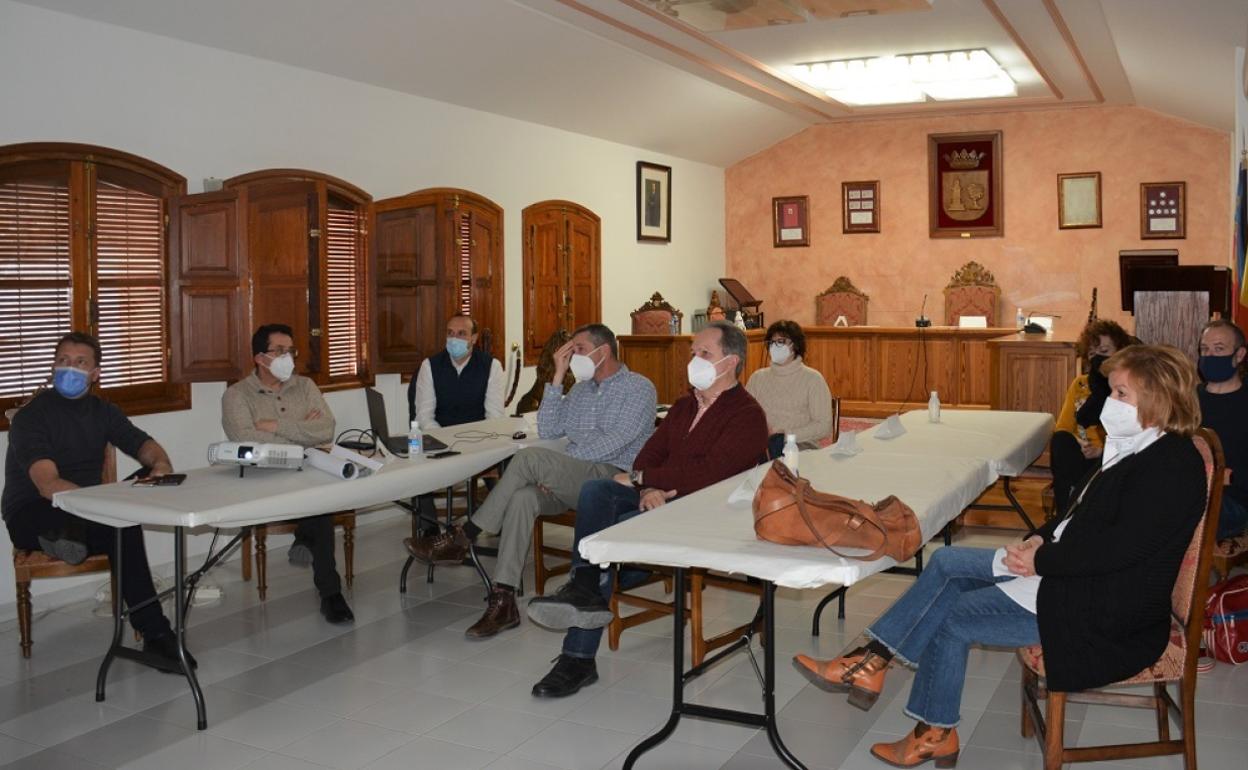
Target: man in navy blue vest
457,384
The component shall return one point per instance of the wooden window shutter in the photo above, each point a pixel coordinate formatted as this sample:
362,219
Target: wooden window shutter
209,316
463,256
35,276
344,271
129,241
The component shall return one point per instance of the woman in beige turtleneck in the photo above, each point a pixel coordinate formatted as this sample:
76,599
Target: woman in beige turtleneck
795,397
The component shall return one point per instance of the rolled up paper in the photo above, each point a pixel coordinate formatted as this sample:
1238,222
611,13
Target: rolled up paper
334,466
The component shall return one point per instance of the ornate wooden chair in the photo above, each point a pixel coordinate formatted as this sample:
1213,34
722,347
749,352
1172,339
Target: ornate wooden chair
1177,665
842,298
655,317
32,565
972,291
260,534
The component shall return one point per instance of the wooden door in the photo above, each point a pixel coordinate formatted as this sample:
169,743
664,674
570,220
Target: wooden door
562,261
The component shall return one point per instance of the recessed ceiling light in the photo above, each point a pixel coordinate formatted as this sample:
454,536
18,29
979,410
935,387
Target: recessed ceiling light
941,76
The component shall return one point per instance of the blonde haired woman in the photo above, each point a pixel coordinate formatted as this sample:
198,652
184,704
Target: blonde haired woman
1093,587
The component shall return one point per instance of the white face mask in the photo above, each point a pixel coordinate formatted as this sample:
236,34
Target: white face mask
1120,419
703,373
583,367
282,367
780,353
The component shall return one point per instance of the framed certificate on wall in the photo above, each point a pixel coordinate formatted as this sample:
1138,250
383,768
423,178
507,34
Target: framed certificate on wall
1163,212
790,221
860,207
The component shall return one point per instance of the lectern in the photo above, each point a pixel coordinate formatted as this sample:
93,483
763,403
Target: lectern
744,301
1172,304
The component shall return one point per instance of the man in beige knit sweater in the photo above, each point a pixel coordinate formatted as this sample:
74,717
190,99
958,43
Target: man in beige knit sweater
795,397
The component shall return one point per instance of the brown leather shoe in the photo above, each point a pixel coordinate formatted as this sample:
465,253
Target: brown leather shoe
860,672
449,547
500,614
939,744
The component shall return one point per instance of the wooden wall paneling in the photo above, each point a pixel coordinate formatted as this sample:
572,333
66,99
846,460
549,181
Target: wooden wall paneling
973,372
902,365
1031,372
207,289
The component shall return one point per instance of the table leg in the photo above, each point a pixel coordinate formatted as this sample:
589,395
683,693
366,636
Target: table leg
119,620
180,599
769,678
678,671
1009,495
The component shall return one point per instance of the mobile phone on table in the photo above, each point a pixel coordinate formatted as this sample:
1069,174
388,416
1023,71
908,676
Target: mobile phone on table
444,453
168,480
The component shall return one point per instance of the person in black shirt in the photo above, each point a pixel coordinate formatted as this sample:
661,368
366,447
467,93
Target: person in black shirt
56,443
1224,408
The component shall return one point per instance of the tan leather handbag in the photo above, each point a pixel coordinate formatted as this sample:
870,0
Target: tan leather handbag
787,510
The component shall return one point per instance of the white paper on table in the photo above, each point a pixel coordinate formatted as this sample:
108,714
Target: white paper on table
890,428
846,445
973,322
744,493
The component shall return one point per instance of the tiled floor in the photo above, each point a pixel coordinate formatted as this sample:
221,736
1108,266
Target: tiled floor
402,688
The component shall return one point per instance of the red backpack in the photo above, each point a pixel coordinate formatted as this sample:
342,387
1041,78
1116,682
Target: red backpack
1226,621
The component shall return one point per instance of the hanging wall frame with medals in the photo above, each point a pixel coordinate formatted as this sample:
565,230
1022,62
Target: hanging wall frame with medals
965,174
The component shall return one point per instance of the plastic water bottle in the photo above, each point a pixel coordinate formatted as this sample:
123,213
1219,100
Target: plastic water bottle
740,322
415,441
1020,320
933,408
790,454
674,325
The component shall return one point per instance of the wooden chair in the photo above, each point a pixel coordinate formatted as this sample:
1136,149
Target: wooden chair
32,565
842,298
1176,665
653,609
541,572
972,291
1229,553
655,317
260,533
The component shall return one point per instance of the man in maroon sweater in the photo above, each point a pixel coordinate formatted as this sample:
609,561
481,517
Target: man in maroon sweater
716,431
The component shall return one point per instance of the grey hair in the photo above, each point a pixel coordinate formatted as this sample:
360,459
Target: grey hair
600,334
731,342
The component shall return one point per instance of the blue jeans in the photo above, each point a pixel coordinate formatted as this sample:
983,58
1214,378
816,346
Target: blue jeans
954,603
602,503
1233,518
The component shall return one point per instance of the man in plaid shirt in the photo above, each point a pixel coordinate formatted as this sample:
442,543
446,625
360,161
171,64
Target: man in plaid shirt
607,417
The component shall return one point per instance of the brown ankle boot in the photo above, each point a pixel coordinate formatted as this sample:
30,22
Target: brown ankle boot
449,547
939,744
500,614
861,672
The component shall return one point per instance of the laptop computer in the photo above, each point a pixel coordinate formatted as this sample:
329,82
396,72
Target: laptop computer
381,428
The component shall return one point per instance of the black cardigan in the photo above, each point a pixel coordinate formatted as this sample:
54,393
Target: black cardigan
1103,607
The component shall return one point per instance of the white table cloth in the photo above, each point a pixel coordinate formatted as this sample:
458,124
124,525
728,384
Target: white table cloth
216,496
1009,441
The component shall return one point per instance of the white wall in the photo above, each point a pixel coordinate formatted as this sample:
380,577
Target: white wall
209,113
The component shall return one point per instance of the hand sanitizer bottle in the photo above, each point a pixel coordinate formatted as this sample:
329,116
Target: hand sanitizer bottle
790,454
415,441
933,408
1020,320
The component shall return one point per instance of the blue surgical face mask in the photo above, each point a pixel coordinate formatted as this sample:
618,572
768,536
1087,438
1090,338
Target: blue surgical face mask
1217,368
457,347
71,382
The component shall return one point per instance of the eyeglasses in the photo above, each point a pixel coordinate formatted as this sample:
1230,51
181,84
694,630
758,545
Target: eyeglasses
780,341
294,352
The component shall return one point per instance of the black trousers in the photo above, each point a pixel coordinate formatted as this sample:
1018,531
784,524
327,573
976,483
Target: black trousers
25,527
317,533
1069,467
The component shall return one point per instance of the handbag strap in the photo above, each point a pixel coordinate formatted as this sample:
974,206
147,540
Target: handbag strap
801,485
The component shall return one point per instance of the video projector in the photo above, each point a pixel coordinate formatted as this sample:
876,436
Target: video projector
243,453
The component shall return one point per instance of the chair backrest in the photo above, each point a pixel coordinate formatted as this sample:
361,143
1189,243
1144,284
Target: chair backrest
1191,587
972,291
655,316
842,298
836,419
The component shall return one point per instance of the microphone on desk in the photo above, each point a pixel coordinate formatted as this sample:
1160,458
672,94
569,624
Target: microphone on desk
923,321
1036,328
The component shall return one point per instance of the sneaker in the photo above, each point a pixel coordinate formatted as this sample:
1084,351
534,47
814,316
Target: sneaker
163,650
334,608
570,607
300,555
69,551
500,614
449,547
567,677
